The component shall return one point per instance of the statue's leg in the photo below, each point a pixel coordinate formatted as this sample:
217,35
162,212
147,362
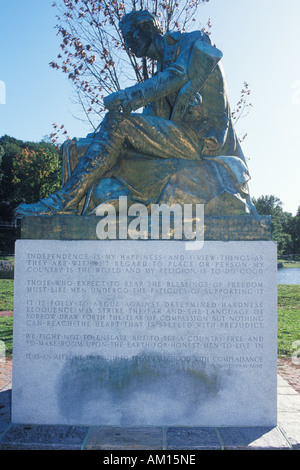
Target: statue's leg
100,156
147,134
162,138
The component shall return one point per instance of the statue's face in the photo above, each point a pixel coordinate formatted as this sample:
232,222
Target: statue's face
138,41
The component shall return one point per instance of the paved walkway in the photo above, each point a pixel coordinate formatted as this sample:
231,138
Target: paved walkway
289,370
285,436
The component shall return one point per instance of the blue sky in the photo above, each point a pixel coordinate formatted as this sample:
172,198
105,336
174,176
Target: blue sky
260,41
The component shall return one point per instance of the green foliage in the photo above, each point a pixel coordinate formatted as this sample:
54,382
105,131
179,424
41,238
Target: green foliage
29,171
1,156
10,147
285,228
294,230
36,174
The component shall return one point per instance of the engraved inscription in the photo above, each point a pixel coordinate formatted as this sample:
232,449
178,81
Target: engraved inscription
113,303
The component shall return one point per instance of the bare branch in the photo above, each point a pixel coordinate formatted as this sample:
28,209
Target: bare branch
93,53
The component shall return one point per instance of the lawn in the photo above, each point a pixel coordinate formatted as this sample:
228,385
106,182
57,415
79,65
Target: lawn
288,317
289,262
6,295
6,328
6,304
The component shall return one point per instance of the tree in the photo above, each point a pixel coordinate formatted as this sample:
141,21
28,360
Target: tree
9,147
280,221
36,174
93,53
242,107
1,156
293,229
28,172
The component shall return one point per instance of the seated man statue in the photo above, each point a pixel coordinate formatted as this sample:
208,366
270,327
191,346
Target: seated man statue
181,149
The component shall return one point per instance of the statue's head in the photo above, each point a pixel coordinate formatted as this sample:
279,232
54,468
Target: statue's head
141,19
138,28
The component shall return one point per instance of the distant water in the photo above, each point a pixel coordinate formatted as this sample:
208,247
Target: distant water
288,276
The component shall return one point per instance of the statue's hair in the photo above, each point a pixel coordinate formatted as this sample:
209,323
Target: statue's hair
140,18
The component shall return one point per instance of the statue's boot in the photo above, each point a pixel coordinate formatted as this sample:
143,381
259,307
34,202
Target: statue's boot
98,159
52,205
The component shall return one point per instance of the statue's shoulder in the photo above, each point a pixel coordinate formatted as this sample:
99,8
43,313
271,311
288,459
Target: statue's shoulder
175,37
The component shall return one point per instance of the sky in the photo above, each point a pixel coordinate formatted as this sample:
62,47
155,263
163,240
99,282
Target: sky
260,41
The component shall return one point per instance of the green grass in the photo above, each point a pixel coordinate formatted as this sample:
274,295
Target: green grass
288,317
6,295
6,333
6,304
289,263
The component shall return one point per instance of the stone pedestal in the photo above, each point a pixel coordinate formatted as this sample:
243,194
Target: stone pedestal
68,227
145,333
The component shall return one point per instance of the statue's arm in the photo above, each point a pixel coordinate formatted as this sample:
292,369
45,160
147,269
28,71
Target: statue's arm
194,63
154,88
163,84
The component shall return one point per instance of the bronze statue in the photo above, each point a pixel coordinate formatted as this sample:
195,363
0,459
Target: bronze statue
181,149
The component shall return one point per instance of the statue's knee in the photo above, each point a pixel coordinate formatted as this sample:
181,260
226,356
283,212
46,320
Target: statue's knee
114,117
114,122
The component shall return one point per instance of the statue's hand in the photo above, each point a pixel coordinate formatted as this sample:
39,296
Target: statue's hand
117,100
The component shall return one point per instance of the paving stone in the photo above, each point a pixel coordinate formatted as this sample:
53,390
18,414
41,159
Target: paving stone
35,437
5,373
289,423
192,438
63,437
286,390
258,438
115,438
290,371
289,403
